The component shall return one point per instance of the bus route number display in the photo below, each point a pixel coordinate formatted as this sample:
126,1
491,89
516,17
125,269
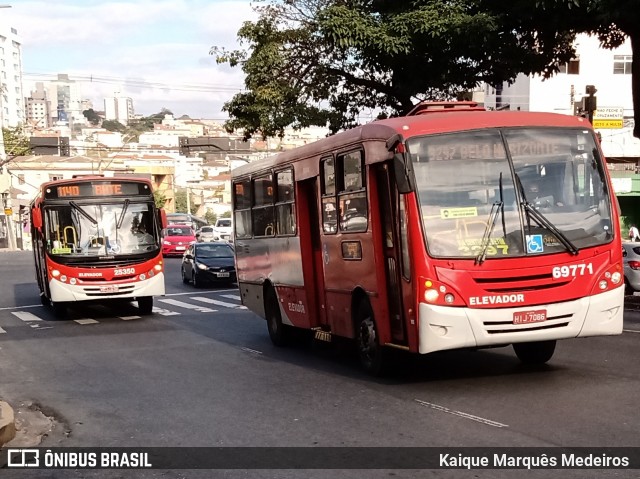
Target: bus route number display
96,189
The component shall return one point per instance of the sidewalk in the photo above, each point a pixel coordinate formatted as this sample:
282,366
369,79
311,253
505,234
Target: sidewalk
7,424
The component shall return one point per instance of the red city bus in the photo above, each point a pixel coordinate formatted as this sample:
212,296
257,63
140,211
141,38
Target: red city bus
446,229
97,238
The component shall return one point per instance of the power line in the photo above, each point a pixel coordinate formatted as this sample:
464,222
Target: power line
192,87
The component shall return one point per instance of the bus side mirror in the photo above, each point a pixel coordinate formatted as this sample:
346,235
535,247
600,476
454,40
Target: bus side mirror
402,173
36,218
163,218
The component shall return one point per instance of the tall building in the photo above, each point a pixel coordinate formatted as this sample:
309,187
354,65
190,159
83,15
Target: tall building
118,108
38,108
66,104
11,97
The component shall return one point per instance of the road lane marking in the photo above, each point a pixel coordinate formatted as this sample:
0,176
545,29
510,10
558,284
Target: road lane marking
26,316
128,318
231,296
165,312
2,331
22,307
630,331
218,303
465,415
182,304
86,321
252,351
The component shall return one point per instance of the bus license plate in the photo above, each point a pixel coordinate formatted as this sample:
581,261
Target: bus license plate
535,316
109,289
223,275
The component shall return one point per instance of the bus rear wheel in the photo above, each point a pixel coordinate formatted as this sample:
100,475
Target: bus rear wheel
370,352
145,305
278,332
535,353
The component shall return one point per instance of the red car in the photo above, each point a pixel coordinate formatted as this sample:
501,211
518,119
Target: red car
176,239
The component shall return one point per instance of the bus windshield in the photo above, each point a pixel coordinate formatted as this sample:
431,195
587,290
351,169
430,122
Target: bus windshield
88,229
511,192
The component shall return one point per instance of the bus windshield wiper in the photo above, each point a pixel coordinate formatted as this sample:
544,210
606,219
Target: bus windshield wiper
124,210
75,206
544,221
496,208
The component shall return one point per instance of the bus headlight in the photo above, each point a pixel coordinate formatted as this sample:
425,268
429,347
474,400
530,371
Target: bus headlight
158,267
63,278
449,298
603,284
431,296
72,281
55,273
616,277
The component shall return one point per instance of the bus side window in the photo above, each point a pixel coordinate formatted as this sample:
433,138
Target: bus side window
328,191
242,208
352,193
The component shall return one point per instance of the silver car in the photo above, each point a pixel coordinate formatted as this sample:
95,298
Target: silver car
207,233
631,258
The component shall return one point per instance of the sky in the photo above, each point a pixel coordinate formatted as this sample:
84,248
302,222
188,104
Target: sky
155,52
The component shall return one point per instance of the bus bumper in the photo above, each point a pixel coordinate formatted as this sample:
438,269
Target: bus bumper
443,327
87,292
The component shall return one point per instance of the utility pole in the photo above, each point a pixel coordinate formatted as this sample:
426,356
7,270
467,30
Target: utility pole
188,201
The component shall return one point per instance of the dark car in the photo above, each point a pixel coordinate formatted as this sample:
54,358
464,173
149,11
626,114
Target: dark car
210,262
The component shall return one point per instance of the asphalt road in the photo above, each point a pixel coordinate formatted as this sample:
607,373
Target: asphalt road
202,372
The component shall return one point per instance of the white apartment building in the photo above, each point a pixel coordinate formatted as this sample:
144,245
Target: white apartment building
38,108
11,96
608,70
119,109
66,102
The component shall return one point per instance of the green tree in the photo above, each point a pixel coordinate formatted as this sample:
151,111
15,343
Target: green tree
210,216
321,62
16,143
181,201
159,198
114,125
226,214
92,116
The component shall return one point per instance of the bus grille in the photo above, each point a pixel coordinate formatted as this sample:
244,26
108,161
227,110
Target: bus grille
552,322
517,283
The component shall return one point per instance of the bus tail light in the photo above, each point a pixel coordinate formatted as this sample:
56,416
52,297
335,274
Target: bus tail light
610,279
435,292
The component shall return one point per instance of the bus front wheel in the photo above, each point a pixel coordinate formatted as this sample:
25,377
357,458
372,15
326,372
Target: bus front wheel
535,353
278,332
59,309
370,352
145,304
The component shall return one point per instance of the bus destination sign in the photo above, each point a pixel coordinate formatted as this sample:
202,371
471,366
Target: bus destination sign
95,188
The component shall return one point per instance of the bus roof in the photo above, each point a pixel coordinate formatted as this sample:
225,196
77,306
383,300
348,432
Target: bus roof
418,125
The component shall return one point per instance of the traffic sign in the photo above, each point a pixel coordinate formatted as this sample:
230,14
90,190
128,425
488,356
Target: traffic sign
608,117
8,211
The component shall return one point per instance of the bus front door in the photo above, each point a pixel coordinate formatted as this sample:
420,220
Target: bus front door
389,214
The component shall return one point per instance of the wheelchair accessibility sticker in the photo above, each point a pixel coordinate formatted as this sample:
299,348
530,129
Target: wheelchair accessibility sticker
535,244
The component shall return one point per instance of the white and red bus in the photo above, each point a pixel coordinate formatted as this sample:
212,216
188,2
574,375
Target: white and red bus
449,228
97,238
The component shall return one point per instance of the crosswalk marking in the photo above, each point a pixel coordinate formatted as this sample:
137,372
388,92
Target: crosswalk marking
231,296
165,312
35,322
86,321
26,316
182,304
218,303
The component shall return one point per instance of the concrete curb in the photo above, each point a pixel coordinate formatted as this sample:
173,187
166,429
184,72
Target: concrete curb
7,423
